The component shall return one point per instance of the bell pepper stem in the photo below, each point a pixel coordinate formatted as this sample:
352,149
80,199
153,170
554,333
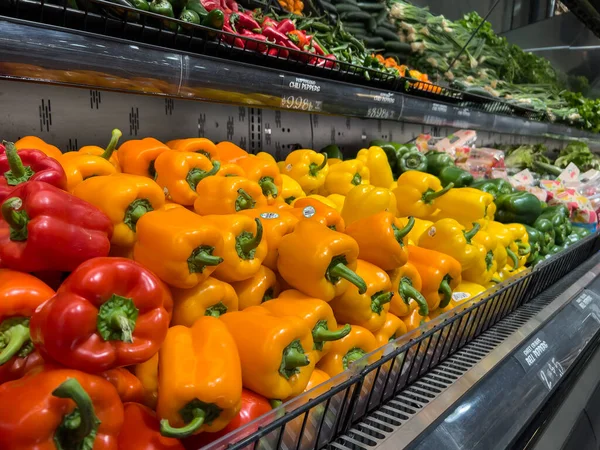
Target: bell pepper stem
72,433
314,168
18,173
196,175
379,299
446,291
201,257
135,211
338,269
356,179
430,195
524,249
16,220
408,292
292,359
268,187
400,233
18,335
112,145
244,200
322,334
513,258
352,356
250,244
116,319
472,232
216,310
188,429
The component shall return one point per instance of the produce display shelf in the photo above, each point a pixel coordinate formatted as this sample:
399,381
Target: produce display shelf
46,53
315,419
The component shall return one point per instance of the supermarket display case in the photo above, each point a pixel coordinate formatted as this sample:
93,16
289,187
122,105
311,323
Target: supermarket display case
493,363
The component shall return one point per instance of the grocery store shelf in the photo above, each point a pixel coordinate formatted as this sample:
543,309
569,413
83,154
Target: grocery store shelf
48,54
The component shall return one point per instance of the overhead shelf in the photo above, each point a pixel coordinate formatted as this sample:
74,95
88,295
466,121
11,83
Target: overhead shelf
49,54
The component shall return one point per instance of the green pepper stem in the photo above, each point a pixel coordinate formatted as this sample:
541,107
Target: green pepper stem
244,200
322,334
407,292
446,291
430,195
472,232
340,270
275,403
400,233
314,168
250,244
16,220
268,187
524,249
513,258
112,145
201,257
188,429
18,172
379,299
196,175
117,318
88,421
216,310
356,179
352,356
18,335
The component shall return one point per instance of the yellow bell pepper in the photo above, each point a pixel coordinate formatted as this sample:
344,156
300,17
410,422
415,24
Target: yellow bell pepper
451,238
376,161
416,194
484,271
391,330
124,199
465,291
418,228
521,239
291,189
79,167
508,254
344,176
147,373
334,161
308,168
366,200
338,200
267,157
108,153
320,198
466,205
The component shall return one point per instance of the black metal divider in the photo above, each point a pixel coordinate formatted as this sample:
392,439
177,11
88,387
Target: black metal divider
377,378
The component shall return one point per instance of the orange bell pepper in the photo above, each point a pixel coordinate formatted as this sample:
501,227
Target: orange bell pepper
180,247
316,314
407,285
137,157
147,373
317,378
231,170
313,209
440,274
418,229
200,379
391,330
178,173
108,153
229,152
265,173
79,167
203,146
227,195
128,386
380,239
38,144
261,287
369,309
244,248
276,224
212,297
414,320
318,261
343,353
276,358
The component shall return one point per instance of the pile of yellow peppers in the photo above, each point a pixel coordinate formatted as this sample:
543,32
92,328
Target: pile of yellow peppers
311,264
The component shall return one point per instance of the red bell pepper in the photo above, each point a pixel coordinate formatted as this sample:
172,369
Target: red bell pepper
17,168
18,366
253,406
109,313
20,295
141,431
57,408
45,228
128,386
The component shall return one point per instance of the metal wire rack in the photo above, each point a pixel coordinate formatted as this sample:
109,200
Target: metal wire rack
316,419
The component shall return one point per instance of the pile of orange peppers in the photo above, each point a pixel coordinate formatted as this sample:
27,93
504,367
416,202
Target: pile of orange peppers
235,280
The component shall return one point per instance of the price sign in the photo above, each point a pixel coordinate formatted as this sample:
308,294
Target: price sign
298,102
304,99
380,113
534,351
550,373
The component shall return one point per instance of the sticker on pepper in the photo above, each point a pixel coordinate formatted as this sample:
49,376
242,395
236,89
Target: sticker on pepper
431,232
458,296
269,215
308,212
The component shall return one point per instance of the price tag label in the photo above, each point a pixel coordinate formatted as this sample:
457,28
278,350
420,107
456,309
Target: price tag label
433,120
463,112
298,102
380,113
438,107
303,100
534,351
550,373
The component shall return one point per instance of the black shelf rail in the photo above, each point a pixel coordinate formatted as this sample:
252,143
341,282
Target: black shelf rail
315,419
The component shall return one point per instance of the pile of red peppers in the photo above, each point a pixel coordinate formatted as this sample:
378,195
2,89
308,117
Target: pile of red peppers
257,32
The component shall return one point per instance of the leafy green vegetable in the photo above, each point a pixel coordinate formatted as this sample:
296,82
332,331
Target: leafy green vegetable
579,154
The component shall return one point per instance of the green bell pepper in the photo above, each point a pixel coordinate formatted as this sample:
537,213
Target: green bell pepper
559,216
571,239
520,207
412,161
496,187
436,161
214,19
556,249
456,175
190,16
535,239
333,151
547,230
581,232
197,7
